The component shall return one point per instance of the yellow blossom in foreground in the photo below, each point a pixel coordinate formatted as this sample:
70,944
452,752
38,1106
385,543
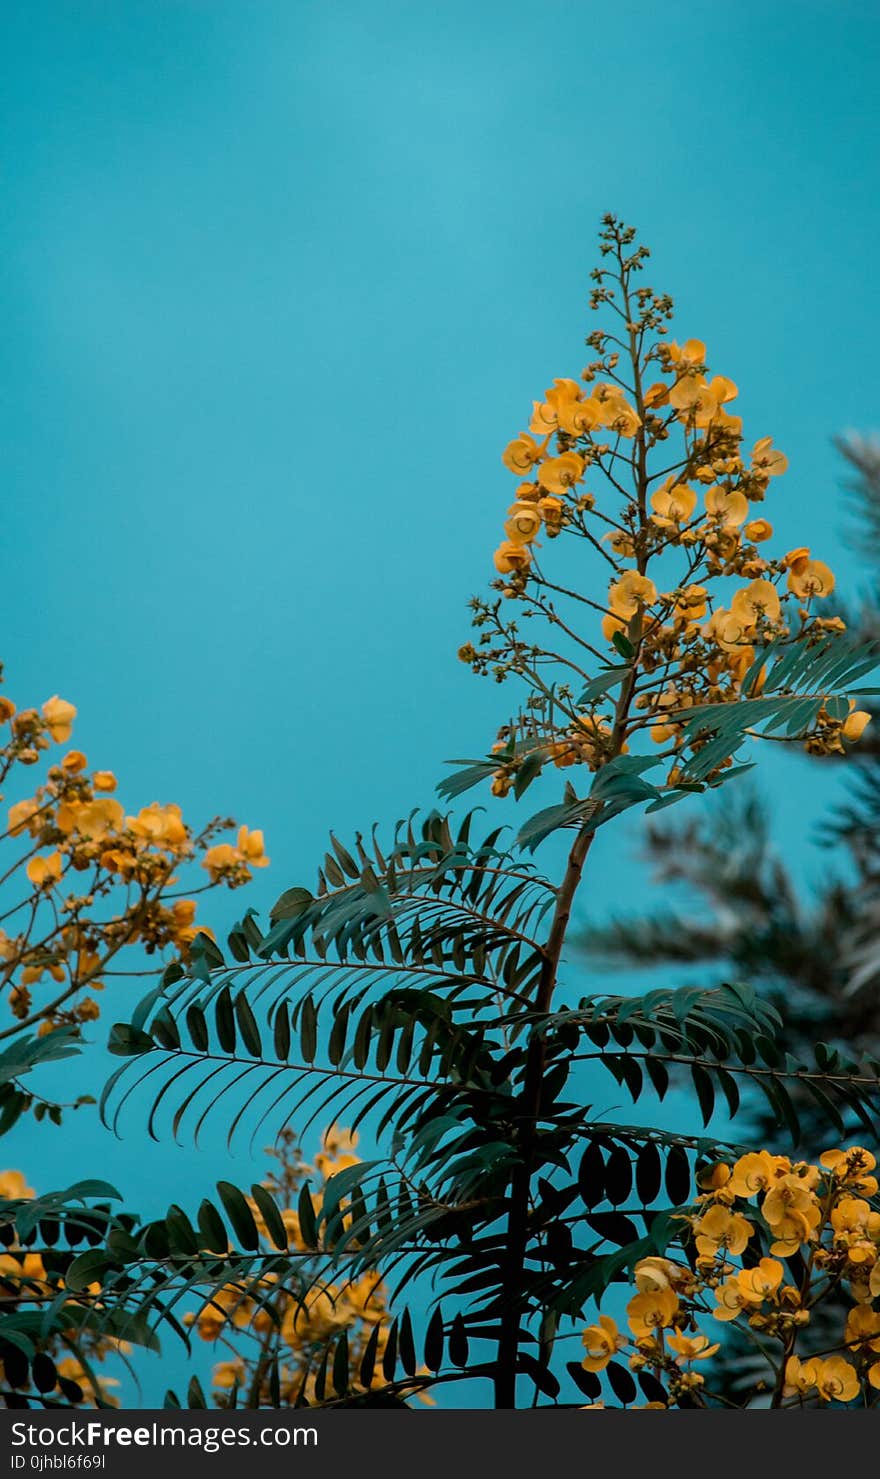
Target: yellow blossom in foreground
615,410
728,506
863,1328
23,816
756,1171
522,453
95,818
812,578
800,1376
673,503
767,460
59,716
251,847
691,353
836,1380
631,591
45,872
651,1311
509,557
761,1281
558,474
651,1274
691,1347
161,825
761,598
523,523
721,1228
602,1342
731,1298
851,1168
855,724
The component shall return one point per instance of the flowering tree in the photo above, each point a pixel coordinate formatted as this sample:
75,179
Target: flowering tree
423,989
83,883
88,894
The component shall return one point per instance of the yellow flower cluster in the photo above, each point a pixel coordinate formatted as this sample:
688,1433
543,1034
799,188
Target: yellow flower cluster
693,589
820,1218
307,1325
92,878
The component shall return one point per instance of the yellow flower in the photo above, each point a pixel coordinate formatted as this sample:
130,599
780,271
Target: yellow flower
522,453
728,506
863,1328
7,709
649,1312
690,602
673,503
836,1380
792,1213
693,397
523,523
761,598
579,418
621,543
550,510
721,1228
758,530
727,630
558,474
543,422
564,409
811,578
855,724
510,556
853,1220
104,780
44,872
766,460
250,845
762,1281
800,1376
631,591
220,859
652,1274
602,1342
156,824
59,716
691,1347
850,1167
731,1299
14,1187
74,761
755,1172
656,395
615,411
692,352
94,819
21,817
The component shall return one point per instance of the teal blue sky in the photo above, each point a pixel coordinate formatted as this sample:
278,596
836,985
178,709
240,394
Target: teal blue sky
281,279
